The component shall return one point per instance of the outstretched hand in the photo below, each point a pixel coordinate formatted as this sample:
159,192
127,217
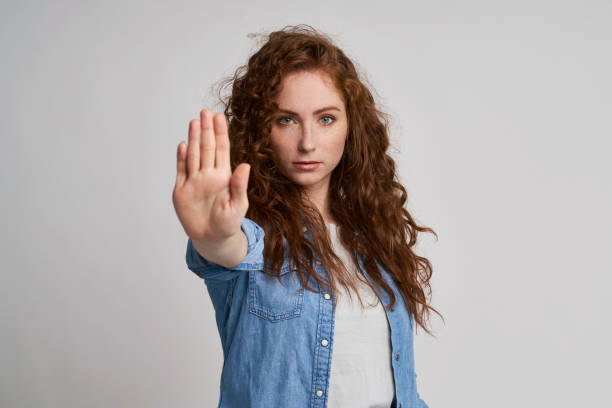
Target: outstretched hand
209,200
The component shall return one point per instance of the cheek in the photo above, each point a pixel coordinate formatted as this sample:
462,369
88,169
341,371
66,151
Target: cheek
339,144
280,146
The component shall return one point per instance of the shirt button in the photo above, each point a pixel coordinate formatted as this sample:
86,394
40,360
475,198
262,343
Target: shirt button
318,262
304,229
396,357
324,342
319,393
326,296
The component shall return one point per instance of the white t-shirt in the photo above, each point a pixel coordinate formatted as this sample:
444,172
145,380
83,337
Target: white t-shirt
361,369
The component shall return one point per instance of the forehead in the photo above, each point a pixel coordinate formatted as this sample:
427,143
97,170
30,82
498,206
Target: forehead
308,88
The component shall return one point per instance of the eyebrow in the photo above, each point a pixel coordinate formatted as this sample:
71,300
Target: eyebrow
315,112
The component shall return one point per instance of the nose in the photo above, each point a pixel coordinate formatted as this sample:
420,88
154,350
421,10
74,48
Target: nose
307,142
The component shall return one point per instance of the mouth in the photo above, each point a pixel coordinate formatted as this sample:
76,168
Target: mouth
306,165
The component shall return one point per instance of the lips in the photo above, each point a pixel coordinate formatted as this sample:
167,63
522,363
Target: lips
309,165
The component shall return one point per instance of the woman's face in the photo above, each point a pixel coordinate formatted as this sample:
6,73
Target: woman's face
310,125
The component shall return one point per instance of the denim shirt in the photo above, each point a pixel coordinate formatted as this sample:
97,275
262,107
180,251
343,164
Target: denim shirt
278,339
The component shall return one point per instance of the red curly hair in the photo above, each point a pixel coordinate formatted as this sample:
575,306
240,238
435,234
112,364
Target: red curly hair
365,197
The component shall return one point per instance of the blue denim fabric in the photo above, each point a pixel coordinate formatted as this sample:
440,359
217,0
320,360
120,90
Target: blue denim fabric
272,334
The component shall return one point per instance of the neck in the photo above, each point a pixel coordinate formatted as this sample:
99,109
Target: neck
320,198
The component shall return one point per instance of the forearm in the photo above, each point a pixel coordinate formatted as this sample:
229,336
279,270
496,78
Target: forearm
227,253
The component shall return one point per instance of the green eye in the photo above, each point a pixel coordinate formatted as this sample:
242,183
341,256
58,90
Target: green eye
329,117
280,120
329,121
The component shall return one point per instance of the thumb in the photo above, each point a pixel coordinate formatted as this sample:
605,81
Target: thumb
238,185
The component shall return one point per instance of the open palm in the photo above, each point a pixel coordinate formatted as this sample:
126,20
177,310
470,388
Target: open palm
209,200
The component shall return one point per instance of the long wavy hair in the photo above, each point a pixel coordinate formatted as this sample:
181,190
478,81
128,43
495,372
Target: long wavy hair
366,198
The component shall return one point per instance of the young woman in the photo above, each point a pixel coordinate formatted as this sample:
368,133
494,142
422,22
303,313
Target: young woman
303,213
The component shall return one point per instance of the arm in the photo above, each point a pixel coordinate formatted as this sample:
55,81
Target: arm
227,253
210,200
209,270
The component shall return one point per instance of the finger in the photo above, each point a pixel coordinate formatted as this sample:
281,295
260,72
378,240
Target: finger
239,184
181,165
207,149
193,149
222,154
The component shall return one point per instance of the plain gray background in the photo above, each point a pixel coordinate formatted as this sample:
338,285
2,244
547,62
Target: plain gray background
501,131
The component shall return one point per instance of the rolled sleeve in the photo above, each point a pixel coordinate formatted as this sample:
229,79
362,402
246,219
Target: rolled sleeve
210,271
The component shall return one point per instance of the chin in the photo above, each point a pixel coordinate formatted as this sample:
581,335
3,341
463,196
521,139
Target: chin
303,179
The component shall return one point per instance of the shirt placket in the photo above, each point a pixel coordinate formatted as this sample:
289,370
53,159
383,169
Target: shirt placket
323,348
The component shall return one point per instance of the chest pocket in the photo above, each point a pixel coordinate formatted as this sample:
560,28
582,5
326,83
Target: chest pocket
273,300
